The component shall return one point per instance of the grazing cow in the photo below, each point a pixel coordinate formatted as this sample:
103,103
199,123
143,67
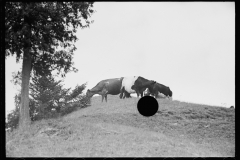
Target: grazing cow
141,84
135,84
160,88
105,87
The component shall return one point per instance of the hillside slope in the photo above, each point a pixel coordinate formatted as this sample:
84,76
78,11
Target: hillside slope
116,129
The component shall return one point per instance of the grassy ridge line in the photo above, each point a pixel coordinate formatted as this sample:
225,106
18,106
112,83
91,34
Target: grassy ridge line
202,124
198,122
191,116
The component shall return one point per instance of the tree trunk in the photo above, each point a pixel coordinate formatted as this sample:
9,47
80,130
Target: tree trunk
24,120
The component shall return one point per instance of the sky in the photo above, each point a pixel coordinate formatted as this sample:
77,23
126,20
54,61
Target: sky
188,46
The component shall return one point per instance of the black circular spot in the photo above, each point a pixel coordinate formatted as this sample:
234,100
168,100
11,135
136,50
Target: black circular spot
147,106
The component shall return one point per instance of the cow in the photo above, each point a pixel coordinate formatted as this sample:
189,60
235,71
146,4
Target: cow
135,84
141,84
105,87
160,88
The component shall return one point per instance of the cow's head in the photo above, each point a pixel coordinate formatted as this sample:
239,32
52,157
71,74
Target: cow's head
89,94
170,92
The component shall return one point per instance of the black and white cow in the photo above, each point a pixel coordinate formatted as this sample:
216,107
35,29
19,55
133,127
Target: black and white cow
105,87
135,84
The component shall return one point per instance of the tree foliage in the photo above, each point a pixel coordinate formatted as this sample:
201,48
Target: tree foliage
33,31
43,26
13,116
48,99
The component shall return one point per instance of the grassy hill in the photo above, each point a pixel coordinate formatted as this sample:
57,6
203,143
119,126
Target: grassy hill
116,129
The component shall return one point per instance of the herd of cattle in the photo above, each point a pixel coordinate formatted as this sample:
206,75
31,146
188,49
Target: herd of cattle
125,86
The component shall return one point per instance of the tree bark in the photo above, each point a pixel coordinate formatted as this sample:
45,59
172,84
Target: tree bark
24,120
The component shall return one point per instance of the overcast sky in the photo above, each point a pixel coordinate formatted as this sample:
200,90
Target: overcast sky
188,46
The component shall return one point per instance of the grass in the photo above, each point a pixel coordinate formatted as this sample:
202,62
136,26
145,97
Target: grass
210,127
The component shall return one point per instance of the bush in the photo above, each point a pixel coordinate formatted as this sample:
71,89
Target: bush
68,109
48,99
12,120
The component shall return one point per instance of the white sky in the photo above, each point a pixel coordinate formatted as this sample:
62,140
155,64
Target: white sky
188,46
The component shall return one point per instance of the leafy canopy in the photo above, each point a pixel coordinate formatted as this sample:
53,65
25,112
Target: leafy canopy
43,26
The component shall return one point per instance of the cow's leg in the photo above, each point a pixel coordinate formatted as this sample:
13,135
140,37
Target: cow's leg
120,96
127,95
137,93
102,97
121,93
104,93
141,94
154,94
124,95
106,97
